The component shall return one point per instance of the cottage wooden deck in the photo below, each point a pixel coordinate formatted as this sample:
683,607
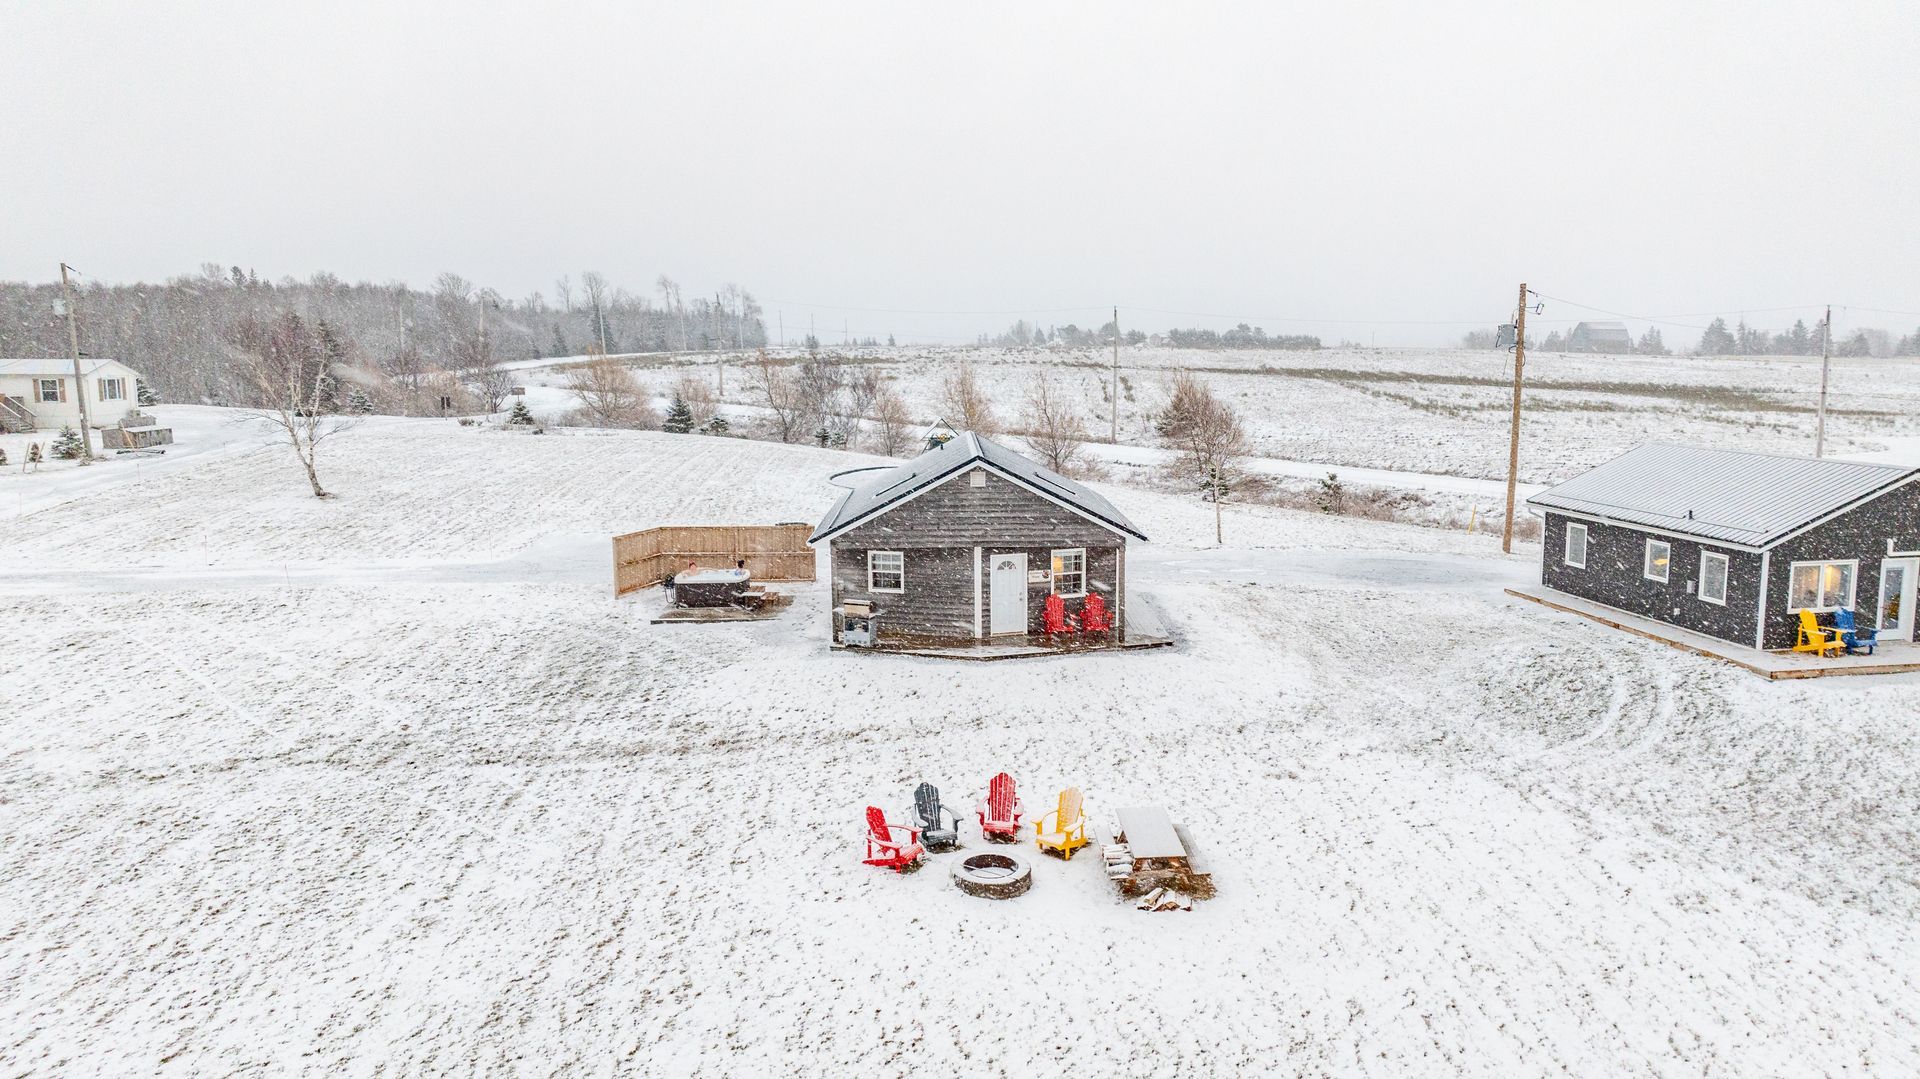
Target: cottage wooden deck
1887,658
1006,647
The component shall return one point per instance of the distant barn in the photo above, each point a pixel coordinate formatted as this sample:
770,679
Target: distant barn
1600,337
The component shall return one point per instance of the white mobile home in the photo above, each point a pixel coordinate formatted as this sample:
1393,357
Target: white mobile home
40,394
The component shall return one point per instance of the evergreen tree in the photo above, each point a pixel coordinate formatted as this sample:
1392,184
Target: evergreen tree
1799,341
559,342
1718,340
1909,346
1332,496
359,402
1651,344
838,440
718,425
889,340
1553,343
520,414
821,436
333,355
142,393
67,447
679,417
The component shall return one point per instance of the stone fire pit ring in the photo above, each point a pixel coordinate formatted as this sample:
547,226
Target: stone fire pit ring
993,875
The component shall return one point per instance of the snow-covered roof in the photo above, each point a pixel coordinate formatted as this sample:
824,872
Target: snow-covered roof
1745,498
949,459
48,368
1604,331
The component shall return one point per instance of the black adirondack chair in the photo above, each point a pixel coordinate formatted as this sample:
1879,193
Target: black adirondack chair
935,832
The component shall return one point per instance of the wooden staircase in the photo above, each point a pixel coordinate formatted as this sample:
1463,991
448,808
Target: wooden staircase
15,418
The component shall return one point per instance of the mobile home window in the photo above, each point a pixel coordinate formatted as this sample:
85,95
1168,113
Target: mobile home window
1713,578
1577,546
49,390
113,389
1820,586
1070,572
1659,554
886,571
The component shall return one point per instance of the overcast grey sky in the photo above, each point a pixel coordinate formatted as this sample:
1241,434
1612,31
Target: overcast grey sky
1321,161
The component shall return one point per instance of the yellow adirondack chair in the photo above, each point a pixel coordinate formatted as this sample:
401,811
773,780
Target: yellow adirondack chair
1815,637
1065,829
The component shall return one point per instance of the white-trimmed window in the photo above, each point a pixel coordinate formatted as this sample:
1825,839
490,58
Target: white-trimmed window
886,571
1659,559
1713,578
48,390
1821,586
1576,555
112,389
1070,572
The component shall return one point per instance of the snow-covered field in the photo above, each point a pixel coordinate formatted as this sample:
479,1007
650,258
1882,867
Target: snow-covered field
1425,410
390,784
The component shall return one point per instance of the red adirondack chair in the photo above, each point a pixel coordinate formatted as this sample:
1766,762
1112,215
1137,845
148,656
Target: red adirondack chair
1000,811
1053,617
1093,615
883,849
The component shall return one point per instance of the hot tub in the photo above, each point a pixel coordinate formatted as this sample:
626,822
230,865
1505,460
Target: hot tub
709,587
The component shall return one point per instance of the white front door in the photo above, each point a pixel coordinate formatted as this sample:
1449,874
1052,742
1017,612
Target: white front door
1896,598
1008,594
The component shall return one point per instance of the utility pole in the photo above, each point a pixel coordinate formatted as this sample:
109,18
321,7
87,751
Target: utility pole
79,384
1113,434
1826,350
1513,440
783,329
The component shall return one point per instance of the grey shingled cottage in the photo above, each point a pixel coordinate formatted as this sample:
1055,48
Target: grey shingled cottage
967,540
1735,544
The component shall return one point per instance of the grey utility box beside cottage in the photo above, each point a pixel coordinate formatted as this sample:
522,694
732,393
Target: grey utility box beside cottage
1735,544
967,541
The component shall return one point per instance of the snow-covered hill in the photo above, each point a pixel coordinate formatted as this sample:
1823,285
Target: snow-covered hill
390,783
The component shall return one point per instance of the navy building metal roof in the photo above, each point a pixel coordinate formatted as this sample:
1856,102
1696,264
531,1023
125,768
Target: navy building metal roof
937,465
1735,496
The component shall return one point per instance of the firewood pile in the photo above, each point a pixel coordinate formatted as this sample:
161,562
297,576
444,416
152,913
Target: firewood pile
1164,899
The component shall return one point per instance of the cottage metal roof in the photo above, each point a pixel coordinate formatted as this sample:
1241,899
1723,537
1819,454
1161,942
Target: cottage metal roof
937,465
1743,498
49,368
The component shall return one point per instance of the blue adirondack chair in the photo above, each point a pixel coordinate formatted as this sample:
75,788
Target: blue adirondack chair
939,826
1857,638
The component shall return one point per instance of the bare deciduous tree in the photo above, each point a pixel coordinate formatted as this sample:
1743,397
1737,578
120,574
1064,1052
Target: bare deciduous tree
491,385
1055,429
1207,435
890,421
966,401
610,396
819,381
694,389
285,367
780,392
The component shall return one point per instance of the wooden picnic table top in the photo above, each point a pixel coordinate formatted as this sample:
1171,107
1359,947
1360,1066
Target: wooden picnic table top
1150,833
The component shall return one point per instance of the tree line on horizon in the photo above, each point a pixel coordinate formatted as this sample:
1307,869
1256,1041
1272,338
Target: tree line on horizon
407,348
1718,339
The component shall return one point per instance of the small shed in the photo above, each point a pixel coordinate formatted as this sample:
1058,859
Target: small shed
1735,544
967,541
1600,337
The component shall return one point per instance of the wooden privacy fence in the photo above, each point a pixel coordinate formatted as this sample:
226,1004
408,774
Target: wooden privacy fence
773,552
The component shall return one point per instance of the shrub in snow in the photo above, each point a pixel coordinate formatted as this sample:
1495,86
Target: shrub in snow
520,414
67,447
33,453
3,458
1332,496
679,417
717,426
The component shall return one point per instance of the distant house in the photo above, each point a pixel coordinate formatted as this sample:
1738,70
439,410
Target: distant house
1735,544
967,541
39,394
1600,337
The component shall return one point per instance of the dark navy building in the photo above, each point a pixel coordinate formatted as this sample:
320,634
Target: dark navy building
1735,544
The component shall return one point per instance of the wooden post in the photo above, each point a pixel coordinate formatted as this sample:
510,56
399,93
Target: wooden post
1513,438
79,381
1826,350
